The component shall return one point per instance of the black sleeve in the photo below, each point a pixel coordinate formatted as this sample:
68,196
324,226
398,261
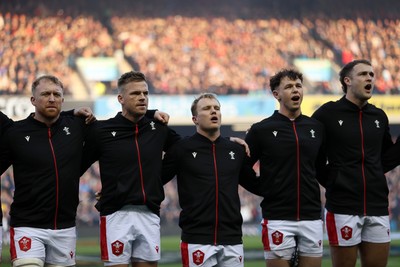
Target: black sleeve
5,122
248,178
5,153
68,113
90,148
391,158
150,113
170,164
251,140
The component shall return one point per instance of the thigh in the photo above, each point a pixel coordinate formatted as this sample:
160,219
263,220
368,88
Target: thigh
230,256
344,230
344,256
374,254
27,242
310,235
195,255
61,247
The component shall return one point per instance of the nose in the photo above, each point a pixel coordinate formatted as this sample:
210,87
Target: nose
51,98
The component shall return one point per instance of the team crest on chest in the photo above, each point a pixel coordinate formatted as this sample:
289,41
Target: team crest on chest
232,154
114,133
275,133
194,154
377,124
312,133
27,138
340,122
152,124
66,130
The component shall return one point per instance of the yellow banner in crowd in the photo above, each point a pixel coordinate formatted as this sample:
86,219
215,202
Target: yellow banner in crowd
389,103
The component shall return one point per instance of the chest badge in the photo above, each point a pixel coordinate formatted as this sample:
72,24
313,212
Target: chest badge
340,122
377,124
312,133
152,125
275,133
27,138
66,130
194,154
232,154
114,133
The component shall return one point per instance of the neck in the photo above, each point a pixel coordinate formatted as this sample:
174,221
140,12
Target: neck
132,117
212,135
356,101
290,114
45,120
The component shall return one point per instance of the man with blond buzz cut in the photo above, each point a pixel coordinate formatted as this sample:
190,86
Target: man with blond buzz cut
209,169
45,150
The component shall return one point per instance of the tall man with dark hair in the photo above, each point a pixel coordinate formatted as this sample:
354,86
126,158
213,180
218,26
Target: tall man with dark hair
356,189
289,146
129,149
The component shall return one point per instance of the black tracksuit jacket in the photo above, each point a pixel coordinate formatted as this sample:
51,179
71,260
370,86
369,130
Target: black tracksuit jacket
356,139
208,174
130,158
46,163
291,155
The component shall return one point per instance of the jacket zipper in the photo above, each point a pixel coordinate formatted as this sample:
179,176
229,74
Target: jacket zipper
216,195
56,170
298,169
140,163
363,164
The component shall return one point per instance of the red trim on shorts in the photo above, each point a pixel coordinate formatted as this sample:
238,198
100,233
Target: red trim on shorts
264,235
331,228
103,239
185,254
13,252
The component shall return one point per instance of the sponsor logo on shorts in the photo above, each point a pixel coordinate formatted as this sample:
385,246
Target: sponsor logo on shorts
117,247
347,232
198,257
25,243
240,258
157,249
71,254
277,237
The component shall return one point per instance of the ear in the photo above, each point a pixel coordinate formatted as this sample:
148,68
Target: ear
276,95
33,100
120,99
194,119
347,80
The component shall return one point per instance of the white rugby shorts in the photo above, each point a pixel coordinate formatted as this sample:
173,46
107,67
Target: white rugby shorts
55,247
131,234
350,230
194,255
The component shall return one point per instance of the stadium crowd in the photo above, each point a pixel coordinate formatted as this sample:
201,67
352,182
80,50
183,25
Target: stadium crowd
231,49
